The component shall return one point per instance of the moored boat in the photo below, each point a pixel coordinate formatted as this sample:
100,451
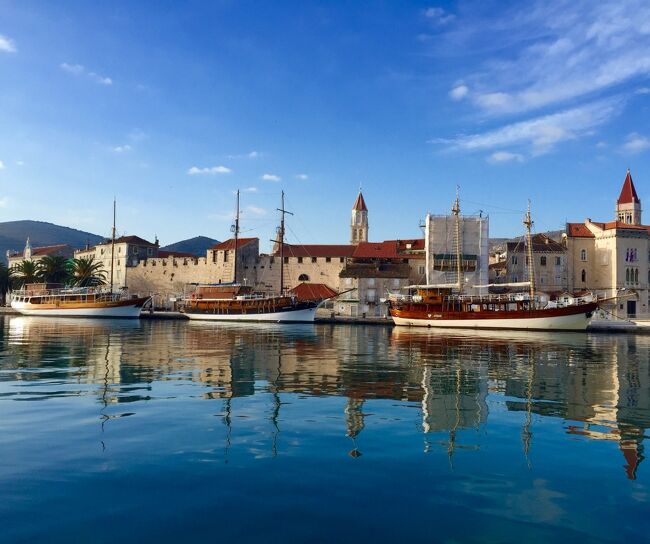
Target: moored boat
46,300
448,307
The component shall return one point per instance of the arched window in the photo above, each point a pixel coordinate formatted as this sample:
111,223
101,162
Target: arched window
583,254
303,277
636,275
583,275
627,275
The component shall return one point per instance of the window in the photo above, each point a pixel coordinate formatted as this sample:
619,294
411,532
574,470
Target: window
420,269
558,261
371,282
134,250
526,260
303,277
636,275
370,295
627,275
583,275
328,259
225,256
214,256
149,251
102,251
271,260
513,260
583,254
341,259
542,260
300,259
313,259
396,282
286,260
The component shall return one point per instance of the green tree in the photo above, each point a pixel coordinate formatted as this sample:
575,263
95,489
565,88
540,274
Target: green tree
55,269
86,272
26,272
6,276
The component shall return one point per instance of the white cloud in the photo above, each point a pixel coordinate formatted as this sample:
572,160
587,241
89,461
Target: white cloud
7,45
122,149
538,60
255,210
438,15
459,92
2,166
302,177
79,70
137,135
642,90
635,143
250,190
505,156
209,170
3,202
601,145
539,135
271,177
250,155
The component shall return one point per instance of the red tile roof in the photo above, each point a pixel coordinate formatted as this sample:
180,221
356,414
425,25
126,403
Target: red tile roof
51,250
135,240
360,204
313,291
620,225
578,230
372,250
628,192
417,244
317,250
230,244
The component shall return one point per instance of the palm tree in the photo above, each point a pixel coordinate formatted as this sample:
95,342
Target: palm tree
86,272
6,276
55,269
26,272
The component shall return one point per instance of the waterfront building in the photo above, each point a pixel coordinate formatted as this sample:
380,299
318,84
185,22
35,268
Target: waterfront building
612,258
30,253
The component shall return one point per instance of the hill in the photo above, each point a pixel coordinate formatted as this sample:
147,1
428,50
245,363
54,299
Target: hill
196,246
13,235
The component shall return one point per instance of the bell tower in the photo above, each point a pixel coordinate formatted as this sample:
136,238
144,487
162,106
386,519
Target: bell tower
359,223
628,205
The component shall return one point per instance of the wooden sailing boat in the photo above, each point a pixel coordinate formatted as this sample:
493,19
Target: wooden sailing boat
447,306
236,302
54,300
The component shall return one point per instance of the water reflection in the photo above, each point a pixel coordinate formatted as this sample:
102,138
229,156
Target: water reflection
598,386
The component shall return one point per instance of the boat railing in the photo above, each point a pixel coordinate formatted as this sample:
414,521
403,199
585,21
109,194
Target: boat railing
63,291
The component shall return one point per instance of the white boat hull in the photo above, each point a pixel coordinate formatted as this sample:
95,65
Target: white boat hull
575,322
295,316
129,311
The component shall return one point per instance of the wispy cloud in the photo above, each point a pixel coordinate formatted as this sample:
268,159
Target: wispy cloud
438,15
635,143
122,149
250,190
250,155
4,202
539,135
505,156
302,177
80,70
543,60
208,170
271,177
137,135
255,210
7,45
2,165
459,92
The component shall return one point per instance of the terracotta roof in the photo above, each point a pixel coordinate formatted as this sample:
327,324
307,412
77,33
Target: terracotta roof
230,244
541,243
578,230
317,250
135,240
381,250
360,204
313,291
620,225
51,250
628,192
178,254
417,244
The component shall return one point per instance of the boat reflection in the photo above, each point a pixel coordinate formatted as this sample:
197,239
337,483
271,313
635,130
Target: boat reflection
597,385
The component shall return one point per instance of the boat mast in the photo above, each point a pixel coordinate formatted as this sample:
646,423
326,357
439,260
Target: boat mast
113,245
528,222
281,233
235,228
456,211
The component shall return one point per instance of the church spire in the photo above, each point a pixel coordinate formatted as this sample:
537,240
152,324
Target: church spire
628,205
359,223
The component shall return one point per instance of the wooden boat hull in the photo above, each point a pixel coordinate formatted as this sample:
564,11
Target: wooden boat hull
304,313
569,318
129,308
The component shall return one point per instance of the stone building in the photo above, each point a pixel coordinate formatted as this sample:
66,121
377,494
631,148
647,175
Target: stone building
359,223
30,253
612,258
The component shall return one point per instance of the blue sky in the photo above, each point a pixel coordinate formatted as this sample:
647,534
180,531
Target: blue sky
173,106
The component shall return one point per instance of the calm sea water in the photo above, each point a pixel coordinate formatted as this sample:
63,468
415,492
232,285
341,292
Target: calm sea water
122,431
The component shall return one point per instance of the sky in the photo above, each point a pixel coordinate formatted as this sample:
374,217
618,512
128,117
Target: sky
170,107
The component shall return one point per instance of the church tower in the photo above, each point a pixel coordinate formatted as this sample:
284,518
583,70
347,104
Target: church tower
27,252
628,205
359,224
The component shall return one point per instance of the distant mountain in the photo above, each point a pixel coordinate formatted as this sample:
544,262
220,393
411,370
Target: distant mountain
13,235
198,245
